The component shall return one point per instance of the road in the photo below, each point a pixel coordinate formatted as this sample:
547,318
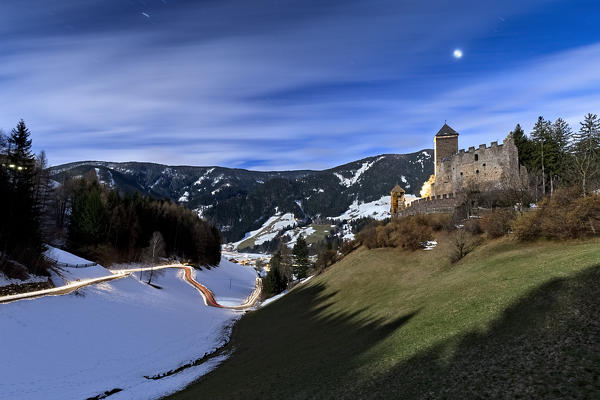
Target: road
209,298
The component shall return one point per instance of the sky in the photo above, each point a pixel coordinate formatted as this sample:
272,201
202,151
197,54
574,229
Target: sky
288,84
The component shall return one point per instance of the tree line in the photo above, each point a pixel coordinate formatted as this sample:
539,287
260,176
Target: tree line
22,193
103,222
85,217
556,155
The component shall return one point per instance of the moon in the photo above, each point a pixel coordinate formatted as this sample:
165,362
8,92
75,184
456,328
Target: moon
457,53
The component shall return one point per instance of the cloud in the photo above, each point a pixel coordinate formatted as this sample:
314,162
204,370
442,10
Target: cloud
249,84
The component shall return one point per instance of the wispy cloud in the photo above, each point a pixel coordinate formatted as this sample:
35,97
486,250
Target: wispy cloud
299,85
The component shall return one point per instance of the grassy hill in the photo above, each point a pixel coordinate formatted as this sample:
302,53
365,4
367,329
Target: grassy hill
510,320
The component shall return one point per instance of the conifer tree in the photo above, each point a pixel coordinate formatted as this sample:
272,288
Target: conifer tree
300,253
524,146
545,152
24,236
585,151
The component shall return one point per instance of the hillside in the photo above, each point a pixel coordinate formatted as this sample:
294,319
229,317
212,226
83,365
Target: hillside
510,320
239,201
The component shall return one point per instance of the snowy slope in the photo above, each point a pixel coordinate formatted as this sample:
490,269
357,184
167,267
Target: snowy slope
378,209
268,231
112,334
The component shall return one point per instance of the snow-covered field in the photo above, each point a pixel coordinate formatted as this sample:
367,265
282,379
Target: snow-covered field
112,334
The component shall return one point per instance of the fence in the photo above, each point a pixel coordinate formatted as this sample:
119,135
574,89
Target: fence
67,265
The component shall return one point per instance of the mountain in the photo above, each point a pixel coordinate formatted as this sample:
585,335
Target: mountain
239,201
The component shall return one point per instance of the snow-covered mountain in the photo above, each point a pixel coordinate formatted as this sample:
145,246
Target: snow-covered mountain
240,201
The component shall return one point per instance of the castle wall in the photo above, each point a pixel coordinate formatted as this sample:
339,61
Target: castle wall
486,167
438,204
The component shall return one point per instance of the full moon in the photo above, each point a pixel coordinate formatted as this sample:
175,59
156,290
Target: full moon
458,53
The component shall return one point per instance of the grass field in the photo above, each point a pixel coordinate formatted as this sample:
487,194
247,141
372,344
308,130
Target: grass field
510,320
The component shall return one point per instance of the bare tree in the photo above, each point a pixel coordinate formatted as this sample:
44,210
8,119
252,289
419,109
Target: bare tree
155,249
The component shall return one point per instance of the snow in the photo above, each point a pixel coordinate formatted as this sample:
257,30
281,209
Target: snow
62,256
294,235
204,176
280,295
5,281
430,245
269,229
378,209
241,278
200,210
357,174
287,220
184,197
111,334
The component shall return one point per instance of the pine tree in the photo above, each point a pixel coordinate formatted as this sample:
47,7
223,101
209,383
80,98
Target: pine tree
561,136
275,281
23,236
300,254
524,146
546,153
585,151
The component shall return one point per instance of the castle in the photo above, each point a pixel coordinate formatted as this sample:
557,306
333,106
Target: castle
485,168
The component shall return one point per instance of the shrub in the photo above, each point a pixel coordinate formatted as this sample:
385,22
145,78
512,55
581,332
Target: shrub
368,236
526,226
462,243
497,223
438,222
562,216
473,226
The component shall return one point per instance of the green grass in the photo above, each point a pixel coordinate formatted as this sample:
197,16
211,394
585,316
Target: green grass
508,320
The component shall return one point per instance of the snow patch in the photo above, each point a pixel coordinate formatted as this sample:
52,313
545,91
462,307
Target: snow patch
357,174
185,197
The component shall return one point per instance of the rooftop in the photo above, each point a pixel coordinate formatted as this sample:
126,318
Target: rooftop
446,131
398,189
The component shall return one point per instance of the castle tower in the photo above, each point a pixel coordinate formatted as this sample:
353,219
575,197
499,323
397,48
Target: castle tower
445,144
398,202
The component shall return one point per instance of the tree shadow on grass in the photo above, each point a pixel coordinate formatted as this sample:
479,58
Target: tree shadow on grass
545,346
296,347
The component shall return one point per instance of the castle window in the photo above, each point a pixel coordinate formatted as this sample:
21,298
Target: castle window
476,157
484,164
461,174
476,171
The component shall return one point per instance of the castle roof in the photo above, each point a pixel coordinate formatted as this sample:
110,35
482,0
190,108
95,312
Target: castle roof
446,131
398,189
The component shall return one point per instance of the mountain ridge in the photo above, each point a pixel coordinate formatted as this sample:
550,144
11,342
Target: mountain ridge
239,200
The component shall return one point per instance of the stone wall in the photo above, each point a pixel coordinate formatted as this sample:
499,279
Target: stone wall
444,148
485,167
438,204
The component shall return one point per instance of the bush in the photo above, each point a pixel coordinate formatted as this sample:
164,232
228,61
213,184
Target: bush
408,233
562,216
526,226
462,243
497,223
368,236
473,226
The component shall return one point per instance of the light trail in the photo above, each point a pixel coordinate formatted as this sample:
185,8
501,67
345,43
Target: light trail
209,298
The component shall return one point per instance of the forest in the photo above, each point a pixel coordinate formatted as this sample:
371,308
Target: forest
86,218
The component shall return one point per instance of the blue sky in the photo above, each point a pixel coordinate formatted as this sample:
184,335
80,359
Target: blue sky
284,84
